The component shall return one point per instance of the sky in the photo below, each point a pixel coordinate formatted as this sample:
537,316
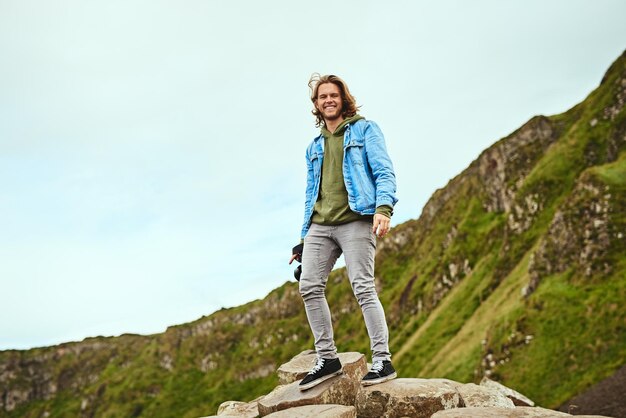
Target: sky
152,152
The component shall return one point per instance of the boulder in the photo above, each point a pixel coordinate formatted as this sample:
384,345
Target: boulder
354,365
317,411
407,398
517,398
339,390
494,412
482,396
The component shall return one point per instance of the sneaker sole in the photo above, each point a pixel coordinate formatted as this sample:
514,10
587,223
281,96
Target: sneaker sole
320,380
380,380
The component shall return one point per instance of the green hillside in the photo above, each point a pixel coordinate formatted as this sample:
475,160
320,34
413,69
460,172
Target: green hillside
515,270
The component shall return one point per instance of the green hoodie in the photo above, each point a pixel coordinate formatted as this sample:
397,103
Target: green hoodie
331,207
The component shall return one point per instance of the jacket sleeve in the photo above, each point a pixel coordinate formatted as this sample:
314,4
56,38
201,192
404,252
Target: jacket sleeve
380,163
309,190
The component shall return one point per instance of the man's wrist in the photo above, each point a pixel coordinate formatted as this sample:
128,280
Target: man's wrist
385,210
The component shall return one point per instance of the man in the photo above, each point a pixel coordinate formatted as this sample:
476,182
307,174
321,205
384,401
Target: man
350,195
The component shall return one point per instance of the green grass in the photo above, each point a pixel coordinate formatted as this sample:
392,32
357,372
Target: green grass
613,174
579,335
445,321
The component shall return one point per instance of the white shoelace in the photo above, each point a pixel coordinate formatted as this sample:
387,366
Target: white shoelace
318,366
377,366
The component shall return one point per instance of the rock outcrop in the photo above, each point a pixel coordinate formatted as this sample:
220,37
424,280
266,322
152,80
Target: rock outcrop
344,397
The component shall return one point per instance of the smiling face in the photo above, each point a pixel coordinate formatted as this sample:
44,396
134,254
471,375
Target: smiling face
329,102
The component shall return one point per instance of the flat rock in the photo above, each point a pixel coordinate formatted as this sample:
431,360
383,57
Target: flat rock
483,396
222,416
354,365
494,412
415,398
340,390
517,398
317,411
239,409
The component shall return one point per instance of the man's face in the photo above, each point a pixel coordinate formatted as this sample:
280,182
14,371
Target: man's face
329,101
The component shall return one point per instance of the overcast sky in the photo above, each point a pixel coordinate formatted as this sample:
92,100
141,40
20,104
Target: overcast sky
152,152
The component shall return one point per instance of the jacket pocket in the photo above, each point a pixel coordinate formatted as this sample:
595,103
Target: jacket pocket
355,152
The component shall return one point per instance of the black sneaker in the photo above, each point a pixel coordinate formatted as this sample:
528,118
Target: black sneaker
323,370
380,372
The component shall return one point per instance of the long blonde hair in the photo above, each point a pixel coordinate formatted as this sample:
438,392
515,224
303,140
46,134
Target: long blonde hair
349,106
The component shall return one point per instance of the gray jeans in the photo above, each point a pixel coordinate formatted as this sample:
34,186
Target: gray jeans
322,247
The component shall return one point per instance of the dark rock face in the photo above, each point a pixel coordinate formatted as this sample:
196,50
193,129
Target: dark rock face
606,397
505,165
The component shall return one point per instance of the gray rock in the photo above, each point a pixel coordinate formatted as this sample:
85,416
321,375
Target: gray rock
340,390
317,411
354,365
493,412
239,409
415,398
517,398
482,396
222,416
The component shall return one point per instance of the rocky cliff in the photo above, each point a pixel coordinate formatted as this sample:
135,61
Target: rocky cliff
514,271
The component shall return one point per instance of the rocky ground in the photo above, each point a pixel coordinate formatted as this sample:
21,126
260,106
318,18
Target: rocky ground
344,397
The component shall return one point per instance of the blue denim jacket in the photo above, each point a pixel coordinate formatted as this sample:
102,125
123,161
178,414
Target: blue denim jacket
367,171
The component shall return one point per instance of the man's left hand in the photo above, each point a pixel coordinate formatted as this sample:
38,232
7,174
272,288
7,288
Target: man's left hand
381,225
